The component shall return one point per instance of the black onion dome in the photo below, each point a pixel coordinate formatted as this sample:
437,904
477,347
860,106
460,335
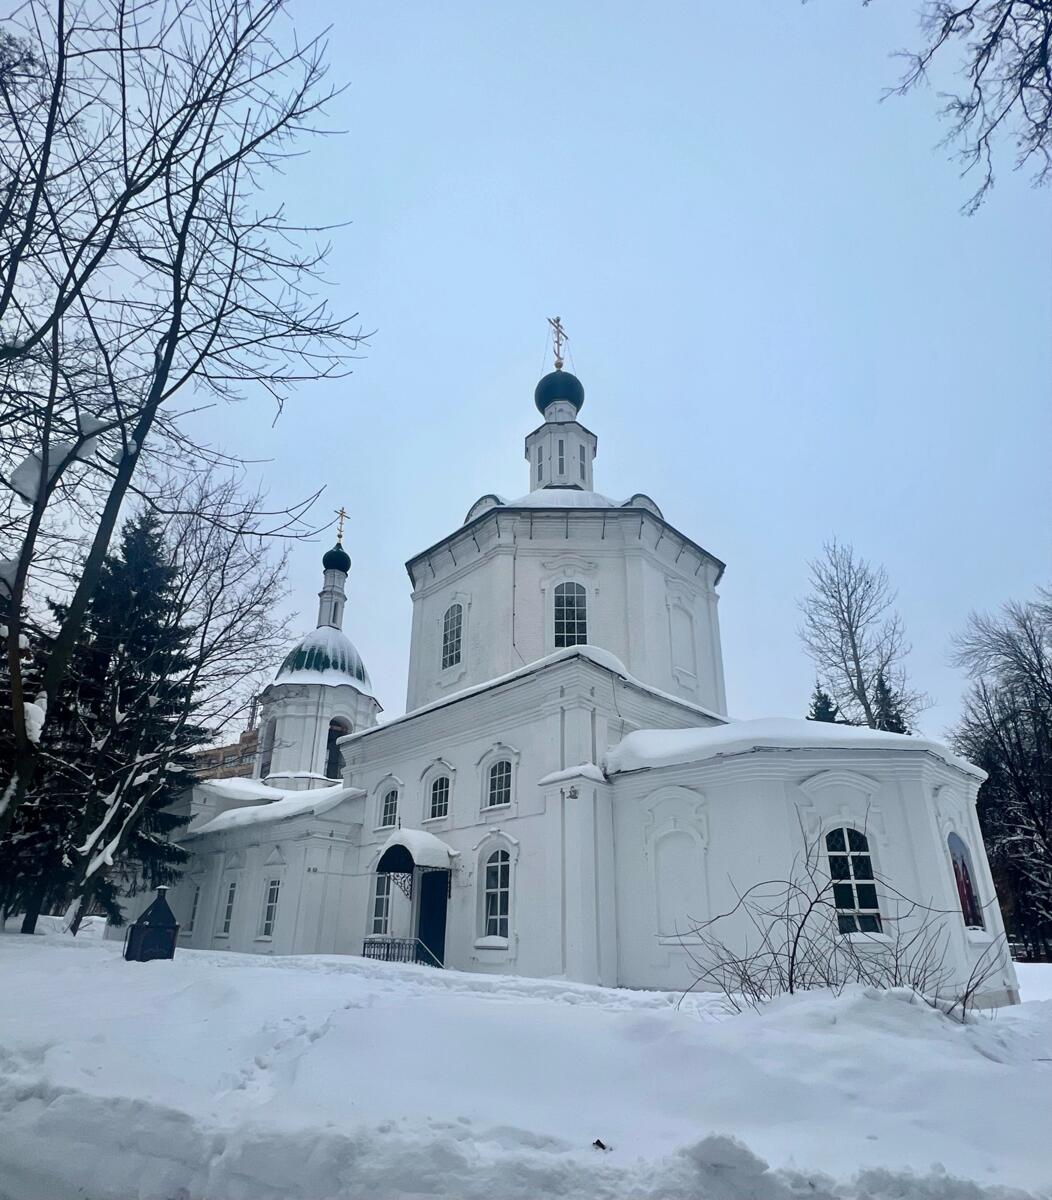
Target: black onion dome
559,385
337,559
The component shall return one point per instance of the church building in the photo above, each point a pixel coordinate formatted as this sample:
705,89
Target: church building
565,795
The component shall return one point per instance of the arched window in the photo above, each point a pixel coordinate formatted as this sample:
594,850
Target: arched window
267,756
452,628
571,615
439,806
498,786
389,809
854,891
333,756
540,466
582,463
497,894
971,909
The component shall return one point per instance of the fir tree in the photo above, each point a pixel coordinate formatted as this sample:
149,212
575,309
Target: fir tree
122,728
887,708
822,706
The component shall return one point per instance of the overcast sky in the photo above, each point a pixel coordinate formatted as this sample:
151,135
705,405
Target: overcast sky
785,329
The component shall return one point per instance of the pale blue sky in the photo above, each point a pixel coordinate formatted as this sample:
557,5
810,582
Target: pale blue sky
784,327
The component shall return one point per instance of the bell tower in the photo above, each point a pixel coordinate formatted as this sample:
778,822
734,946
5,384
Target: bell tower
560,452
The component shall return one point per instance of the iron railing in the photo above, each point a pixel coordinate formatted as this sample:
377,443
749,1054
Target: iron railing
402,950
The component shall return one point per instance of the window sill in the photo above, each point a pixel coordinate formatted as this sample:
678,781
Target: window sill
223,936
978,937
491,943
434,820
385,828
263,938
496,808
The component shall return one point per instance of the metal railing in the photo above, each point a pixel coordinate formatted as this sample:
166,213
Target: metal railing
401,950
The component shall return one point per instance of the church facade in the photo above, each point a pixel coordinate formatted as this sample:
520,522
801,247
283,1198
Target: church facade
565,795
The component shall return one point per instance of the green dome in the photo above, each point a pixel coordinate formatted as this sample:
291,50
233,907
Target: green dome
337,559
559,385
327,656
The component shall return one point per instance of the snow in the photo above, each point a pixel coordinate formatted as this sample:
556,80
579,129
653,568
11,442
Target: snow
583,771
35,715
664,747
283,807
426,849
8,571
241,1078
562,498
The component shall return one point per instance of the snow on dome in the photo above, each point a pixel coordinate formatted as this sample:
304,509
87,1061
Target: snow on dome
555,497
426,849
562,498
328,656
666,747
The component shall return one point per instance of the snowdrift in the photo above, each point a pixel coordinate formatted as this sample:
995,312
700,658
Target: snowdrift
234,1078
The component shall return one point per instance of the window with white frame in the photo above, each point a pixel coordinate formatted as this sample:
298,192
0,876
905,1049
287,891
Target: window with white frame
452,631
497,894
228,907
439,802
270,908
571,615
582,462
382,905
498,784
389,809
193,911
540,466
854,889
562,457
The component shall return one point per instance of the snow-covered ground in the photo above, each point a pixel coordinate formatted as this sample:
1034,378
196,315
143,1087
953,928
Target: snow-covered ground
222,1077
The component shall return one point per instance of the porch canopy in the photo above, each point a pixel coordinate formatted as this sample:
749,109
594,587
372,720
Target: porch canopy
407,849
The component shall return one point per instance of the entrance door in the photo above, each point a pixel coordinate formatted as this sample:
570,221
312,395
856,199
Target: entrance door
431,919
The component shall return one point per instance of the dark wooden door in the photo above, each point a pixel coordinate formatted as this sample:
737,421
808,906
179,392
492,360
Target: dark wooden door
431,923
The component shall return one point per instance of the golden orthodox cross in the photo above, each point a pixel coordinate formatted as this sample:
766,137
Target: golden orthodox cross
342,514
559,339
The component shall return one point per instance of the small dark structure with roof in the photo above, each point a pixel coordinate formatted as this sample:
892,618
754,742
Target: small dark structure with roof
154,934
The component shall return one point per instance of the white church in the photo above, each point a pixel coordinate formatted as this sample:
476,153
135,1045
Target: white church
564,796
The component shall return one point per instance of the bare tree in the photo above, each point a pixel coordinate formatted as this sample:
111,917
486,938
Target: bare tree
200,667
1006,727
855,637
1003,50
784,936
137,262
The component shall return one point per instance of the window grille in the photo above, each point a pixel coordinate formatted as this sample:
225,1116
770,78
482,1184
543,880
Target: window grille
228,907
439,798
854,889
499,789
498,893
389,810
452,630
571,615
270,907
382,904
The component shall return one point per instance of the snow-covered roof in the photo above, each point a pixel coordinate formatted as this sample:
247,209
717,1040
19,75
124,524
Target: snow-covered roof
584,771
596,654
284,805
426,849
325,656
665,747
